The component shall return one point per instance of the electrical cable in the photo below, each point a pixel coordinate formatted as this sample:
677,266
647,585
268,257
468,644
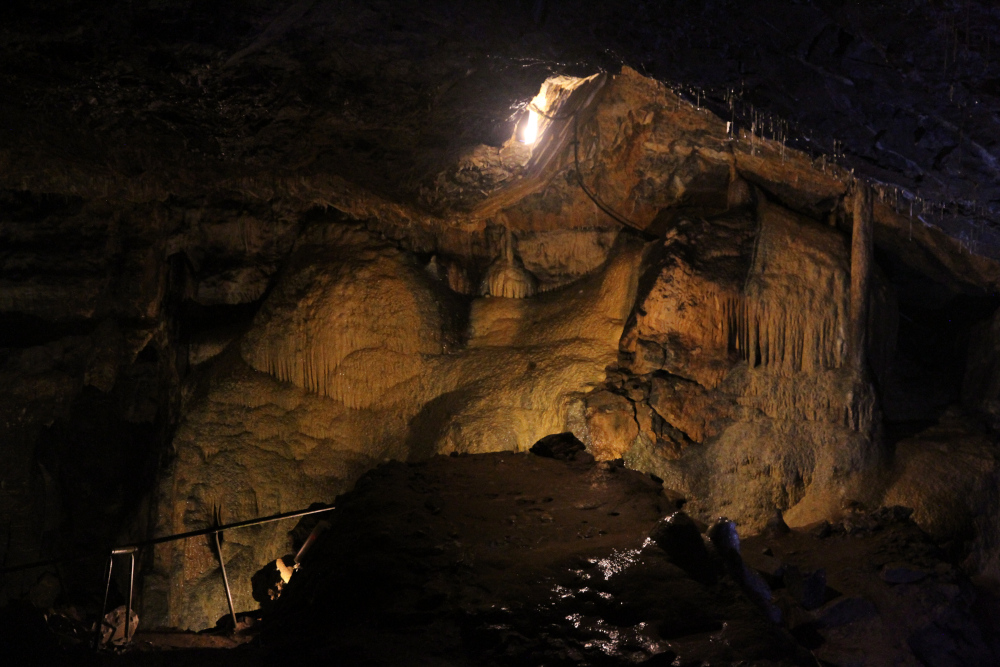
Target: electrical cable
583,186
575,117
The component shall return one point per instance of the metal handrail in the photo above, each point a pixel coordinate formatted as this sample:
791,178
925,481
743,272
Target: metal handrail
131,549
168,538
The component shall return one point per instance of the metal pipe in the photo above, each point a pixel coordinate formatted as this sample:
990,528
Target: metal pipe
225,579
128,609
318,530
104,605
170,538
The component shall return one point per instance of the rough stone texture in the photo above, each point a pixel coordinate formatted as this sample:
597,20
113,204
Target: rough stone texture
742,343
351,320
863,618
949,475
165,166
981,385
507,559
610,424
356,366
728,379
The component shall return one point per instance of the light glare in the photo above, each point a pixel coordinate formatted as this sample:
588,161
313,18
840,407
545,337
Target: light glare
530,128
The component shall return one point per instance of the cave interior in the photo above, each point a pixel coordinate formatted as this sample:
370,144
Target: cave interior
550,332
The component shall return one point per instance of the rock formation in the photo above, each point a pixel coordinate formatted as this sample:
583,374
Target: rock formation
716,357
387,269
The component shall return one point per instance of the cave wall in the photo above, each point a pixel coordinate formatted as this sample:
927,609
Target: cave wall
351,361
736,363
260,346
715,357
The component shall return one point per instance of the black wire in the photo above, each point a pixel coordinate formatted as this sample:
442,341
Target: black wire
579,179
565,116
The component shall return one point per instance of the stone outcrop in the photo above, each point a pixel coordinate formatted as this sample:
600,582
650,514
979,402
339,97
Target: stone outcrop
736,358
354,359
262,317
715,357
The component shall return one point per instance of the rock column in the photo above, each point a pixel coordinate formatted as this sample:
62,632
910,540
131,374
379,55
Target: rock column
862,252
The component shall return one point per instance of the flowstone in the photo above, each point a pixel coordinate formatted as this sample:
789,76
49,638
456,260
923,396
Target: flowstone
351,362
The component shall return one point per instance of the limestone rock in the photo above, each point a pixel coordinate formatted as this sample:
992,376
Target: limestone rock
266,438
948,475
679,538
508,279
943,473
559,446
45,591
845,611
981,385
458,279
758,411
611,427
351,321
113,627
688,406
506,276
209,344
241,285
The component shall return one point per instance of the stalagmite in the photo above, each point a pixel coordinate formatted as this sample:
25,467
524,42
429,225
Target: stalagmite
861,268
507,276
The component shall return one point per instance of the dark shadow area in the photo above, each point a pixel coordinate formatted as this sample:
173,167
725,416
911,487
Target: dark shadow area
103,465
21,330
195,319
931,353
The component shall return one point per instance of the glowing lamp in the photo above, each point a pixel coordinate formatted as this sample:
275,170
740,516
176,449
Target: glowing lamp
530,131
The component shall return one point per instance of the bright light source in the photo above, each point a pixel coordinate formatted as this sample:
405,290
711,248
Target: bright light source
530,132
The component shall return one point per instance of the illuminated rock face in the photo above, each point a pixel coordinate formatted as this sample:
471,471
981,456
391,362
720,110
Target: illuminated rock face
217,222
351,320
712,351
351,361
736,356
727,381
700,333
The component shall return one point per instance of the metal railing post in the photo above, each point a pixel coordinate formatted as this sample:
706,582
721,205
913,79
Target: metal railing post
104,606
128,609
225,579
215,530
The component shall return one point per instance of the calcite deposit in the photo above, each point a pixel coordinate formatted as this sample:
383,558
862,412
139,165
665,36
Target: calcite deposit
716,356
250,252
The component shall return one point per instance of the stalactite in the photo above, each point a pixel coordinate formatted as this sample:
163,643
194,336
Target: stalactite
359,327
786,336
458,279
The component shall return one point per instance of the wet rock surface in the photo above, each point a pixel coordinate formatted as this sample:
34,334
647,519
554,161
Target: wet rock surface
165,165
512,559
873,589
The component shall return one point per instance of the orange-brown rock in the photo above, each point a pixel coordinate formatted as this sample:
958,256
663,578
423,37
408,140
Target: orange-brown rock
689,407
610,424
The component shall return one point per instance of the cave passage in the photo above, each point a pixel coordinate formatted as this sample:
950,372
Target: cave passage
936,325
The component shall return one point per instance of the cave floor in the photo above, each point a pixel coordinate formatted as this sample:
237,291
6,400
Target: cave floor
514,559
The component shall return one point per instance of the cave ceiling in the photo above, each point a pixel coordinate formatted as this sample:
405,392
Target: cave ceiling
313,101
251,249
